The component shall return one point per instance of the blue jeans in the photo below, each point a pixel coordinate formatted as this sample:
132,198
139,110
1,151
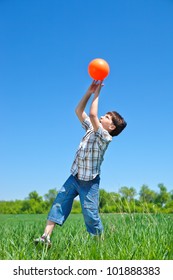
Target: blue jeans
88,192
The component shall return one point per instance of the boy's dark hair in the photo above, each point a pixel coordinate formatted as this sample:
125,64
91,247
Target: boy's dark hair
118,121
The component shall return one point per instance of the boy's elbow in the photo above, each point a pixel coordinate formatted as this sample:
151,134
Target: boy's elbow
77,111
92,116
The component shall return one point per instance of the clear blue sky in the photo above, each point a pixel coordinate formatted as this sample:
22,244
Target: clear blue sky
45,48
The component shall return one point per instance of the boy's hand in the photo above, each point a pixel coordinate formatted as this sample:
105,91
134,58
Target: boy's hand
99,86
95,87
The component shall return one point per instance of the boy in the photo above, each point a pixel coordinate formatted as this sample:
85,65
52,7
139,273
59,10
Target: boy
85,171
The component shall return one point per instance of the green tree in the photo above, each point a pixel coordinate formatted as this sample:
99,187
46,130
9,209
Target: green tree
114,198
163,196
50,196
169,207
33,206
171,194
103,198
35,196
127,193
147,195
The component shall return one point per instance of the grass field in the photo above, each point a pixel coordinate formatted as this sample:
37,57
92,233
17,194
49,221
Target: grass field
126,237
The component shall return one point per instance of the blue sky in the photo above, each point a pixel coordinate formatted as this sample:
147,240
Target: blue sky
45,49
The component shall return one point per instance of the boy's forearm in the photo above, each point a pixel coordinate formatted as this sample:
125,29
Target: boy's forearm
95,88
83,102
94,106
81,106
95,101
94,112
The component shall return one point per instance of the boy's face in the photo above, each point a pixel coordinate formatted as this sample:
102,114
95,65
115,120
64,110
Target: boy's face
106,122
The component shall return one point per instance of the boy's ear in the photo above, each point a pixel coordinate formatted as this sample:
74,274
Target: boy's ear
112,126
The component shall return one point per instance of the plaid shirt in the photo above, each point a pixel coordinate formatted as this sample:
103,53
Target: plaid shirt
89,155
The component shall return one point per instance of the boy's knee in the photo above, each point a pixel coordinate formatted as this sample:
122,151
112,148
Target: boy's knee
92,221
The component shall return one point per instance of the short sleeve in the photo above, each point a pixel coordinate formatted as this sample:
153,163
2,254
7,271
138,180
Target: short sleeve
103,134
86,124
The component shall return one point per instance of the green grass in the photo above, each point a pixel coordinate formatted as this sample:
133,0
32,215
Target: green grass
126,237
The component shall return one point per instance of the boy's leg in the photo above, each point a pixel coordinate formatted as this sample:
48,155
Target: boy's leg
49,228
60,209
45,238
62,204
89,198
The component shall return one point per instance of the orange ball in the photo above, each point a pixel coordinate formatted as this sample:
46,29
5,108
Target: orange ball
98,69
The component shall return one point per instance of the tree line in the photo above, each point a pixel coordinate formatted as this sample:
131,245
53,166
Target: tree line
126,200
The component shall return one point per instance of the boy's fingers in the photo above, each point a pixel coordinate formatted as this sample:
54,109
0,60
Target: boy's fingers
101,85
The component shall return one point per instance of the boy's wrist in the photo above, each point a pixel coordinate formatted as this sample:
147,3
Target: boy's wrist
89,92
97,93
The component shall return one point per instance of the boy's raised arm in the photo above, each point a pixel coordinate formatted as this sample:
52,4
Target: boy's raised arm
94,107
80,109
